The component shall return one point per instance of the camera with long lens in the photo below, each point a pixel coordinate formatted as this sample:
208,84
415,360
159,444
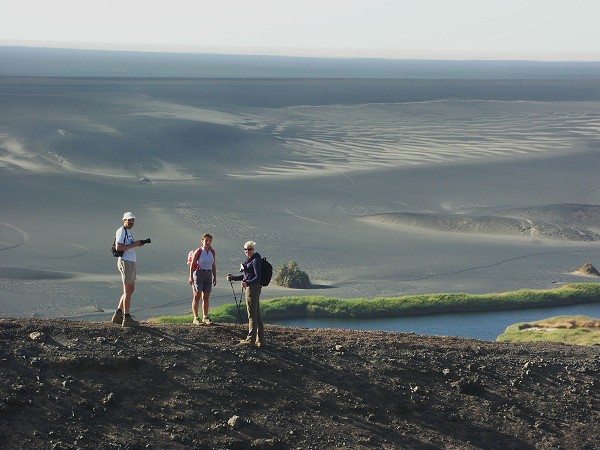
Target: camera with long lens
145,241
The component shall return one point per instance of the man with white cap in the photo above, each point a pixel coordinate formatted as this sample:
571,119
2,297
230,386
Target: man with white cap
126,264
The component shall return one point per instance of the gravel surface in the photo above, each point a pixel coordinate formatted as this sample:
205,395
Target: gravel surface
69,385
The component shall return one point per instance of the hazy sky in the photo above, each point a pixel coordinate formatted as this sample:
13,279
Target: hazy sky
499,29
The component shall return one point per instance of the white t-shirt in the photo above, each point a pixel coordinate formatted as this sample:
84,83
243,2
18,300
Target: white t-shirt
124,236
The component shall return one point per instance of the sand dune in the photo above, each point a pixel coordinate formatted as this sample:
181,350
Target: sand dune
365,137
298,140
564,221
17,273
292,164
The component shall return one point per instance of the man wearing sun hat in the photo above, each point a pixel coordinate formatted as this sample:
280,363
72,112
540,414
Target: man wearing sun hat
126,264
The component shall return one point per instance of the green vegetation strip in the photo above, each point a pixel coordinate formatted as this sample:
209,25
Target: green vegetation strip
300,307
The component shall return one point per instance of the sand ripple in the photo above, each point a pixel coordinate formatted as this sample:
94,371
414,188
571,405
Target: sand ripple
350,138
293,141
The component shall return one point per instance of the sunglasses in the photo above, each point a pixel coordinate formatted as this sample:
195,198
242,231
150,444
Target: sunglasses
248,249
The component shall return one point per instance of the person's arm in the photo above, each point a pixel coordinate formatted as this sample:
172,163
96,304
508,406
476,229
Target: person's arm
193,264
214,268
231,277
121,246
125,247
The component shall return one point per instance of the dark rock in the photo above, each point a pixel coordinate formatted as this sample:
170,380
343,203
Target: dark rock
392,390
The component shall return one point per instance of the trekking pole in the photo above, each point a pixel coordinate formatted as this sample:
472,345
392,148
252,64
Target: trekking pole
237,305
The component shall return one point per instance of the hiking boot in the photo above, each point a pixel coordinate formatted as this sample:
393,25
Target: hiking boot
129,322
246,342
117,317
259,344
196,321
206,321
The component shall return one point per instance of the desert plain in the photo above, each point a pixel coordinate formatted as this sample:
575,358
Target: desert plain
376,187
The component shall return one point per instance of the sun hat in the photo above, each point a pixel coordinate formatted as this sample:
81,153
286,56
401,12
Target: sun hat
128,215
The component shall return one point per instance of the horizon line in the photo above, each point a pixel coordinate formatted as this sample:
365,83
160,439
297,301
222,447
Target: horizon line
323,53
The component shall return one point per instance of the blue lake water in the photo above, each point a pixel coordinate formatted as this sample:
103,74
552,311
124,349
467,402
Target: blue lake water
477,325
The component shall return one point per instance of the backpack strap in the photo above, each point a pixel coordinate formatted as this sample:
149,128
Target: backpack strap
125,236
196,265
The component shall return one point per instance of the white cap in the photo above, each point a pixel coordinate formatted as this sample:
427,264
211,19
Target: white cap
128,215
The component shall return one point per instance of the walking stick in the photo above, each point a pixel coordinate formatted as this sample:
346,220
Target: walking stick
237,305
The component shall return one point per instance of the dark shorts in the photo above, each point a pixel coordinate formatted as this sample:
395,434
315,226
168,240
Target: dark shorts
202,281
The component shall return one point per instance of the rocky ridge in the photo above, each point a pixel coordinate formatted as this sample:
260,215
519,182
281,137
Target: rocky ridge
81,385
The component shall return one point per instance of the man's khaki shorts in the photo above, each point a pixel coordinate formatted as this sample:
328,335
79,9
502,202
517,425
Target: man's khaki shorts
128,271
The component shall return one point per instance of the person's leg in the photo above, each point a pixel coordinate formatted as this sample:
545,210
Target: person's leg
125,301
249,314
196,295
118,315
195,302
129,277
258,322
251,305
206,287
205,297
260,326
